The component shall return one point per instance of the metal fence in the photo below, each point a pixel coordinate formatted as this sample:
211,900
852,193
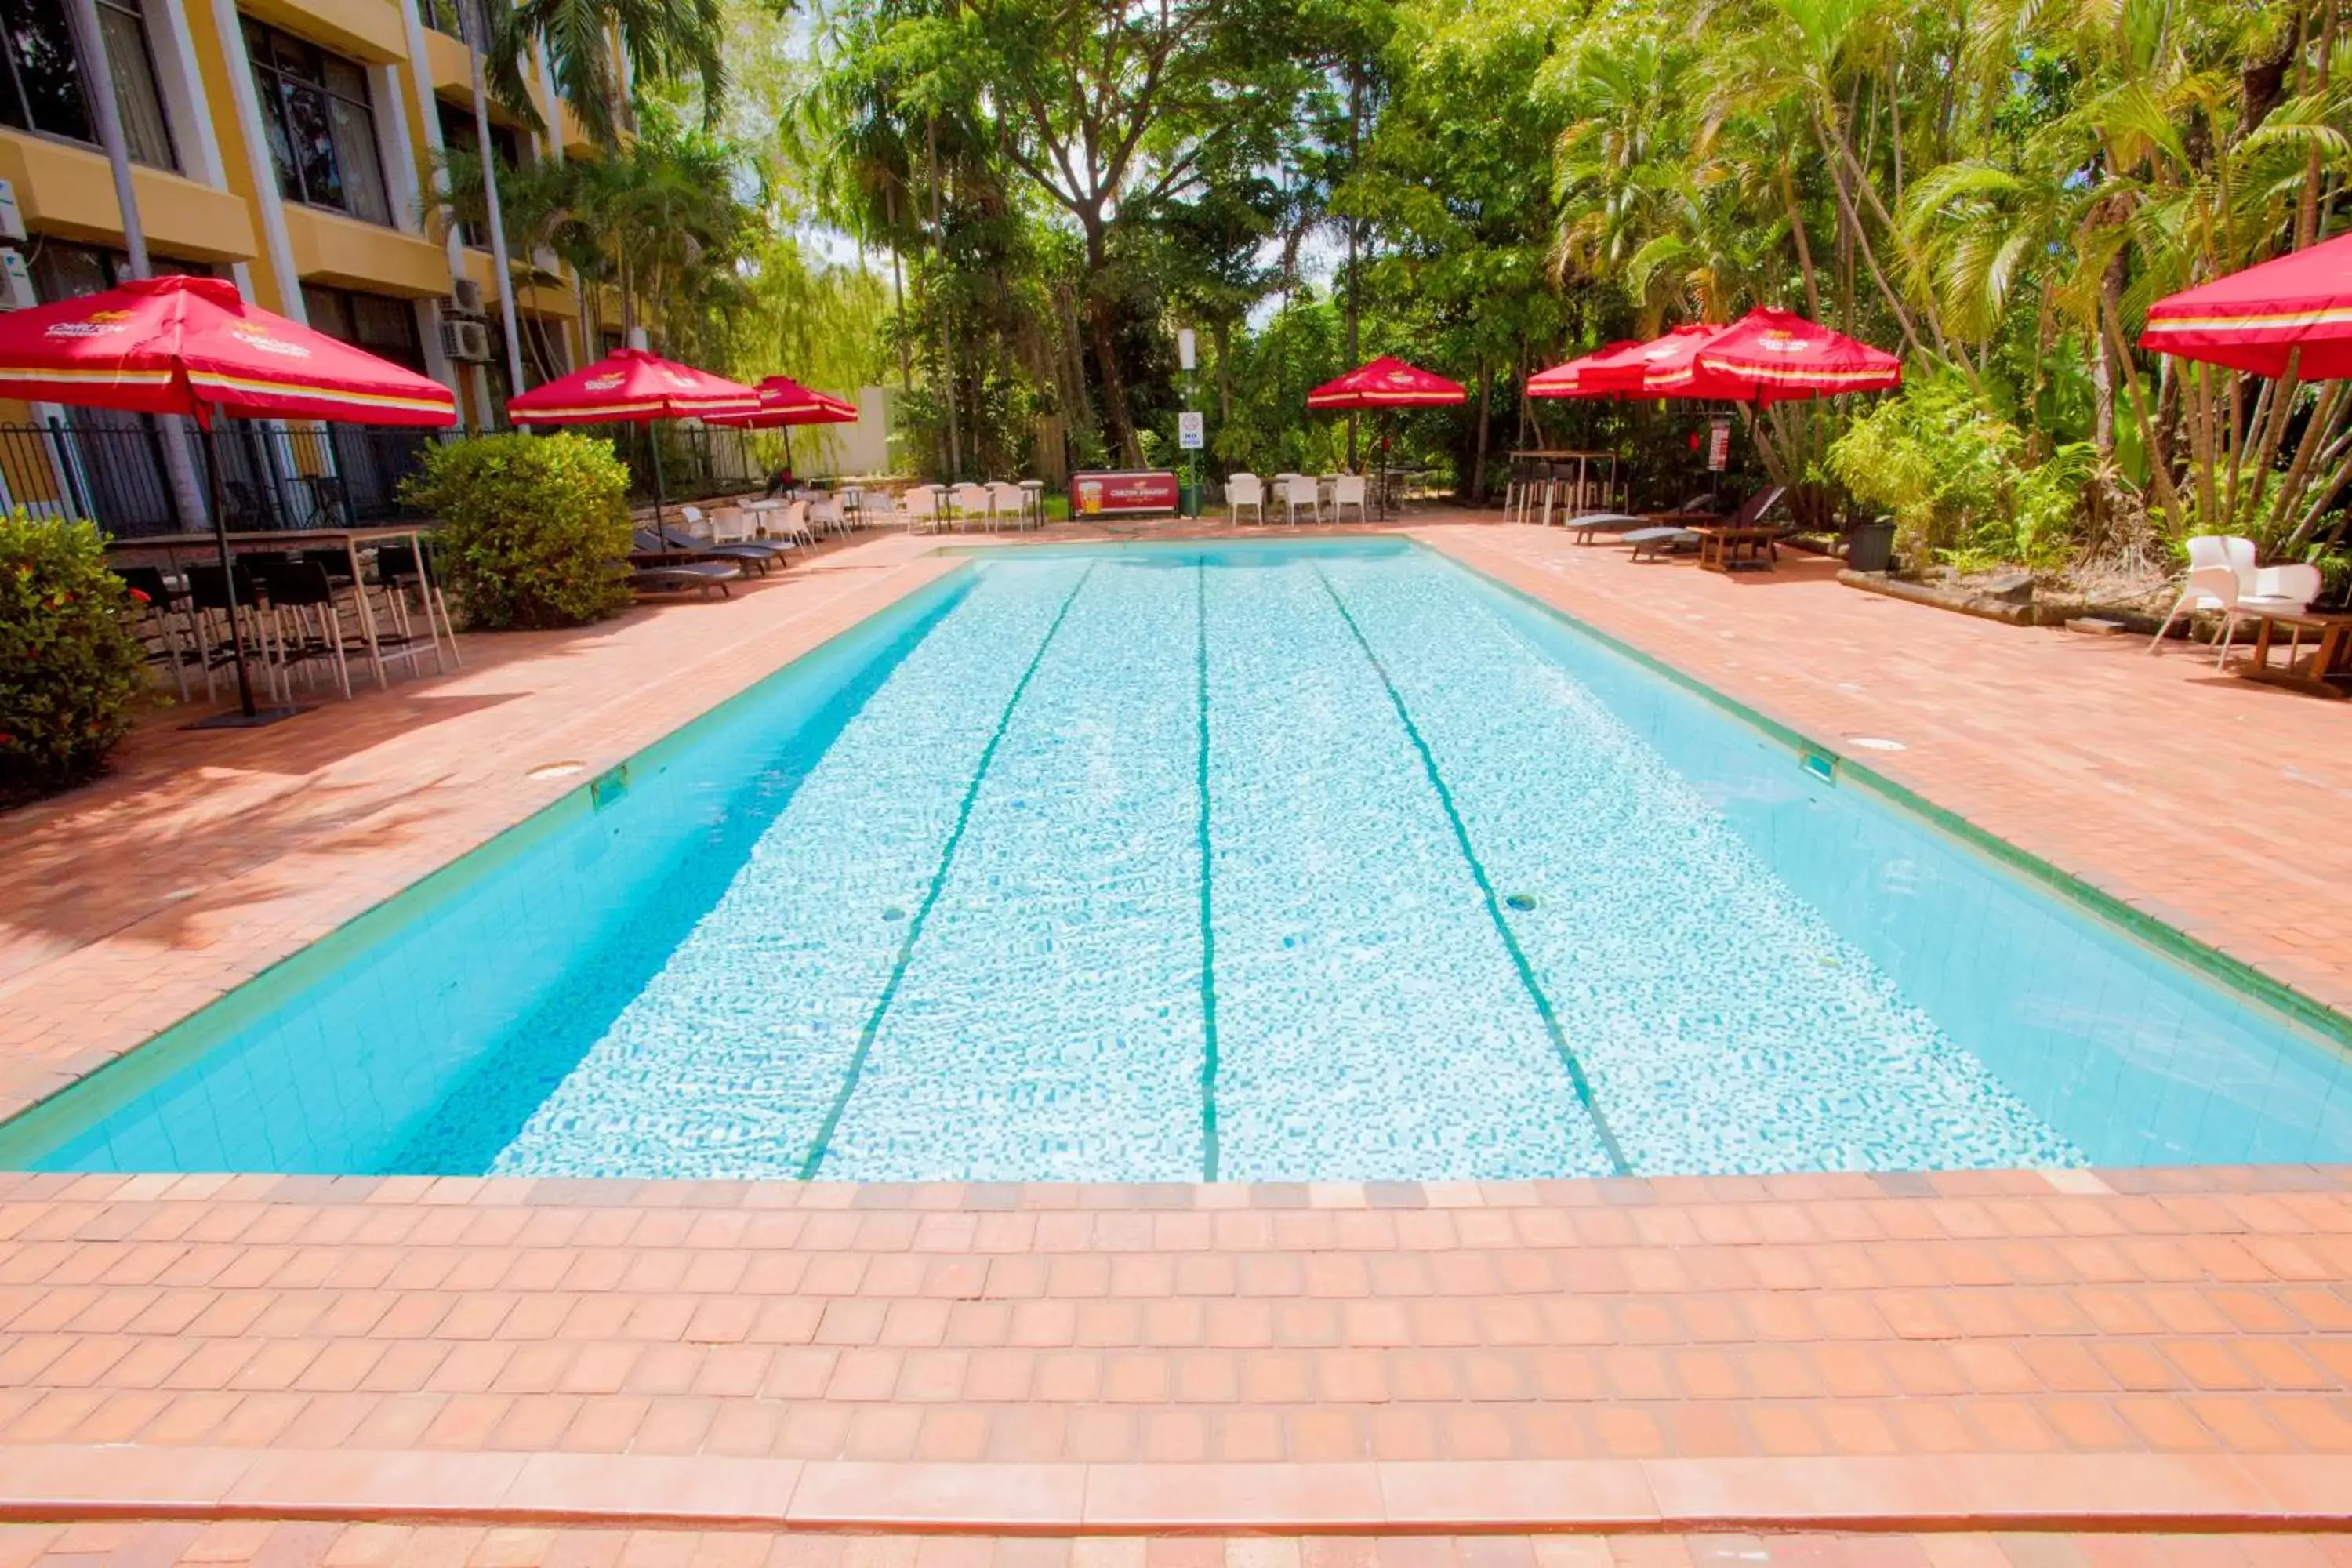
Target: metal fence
113,468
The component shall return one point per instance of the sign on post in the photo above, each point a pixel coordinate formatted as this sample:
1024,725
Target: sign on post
1191,430
1718,445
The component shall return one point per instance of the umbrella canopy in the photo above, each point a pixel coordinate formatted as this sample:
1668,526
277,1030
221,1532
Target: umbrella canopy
1386,382
1773,356
1599,374
634,388
2254,319
188,345
783,401
1659,368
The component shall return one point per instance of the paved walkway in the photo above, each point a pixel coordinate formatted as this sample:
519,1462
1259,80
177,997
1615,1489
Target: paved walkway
2031,1351
2041,1350
278,1544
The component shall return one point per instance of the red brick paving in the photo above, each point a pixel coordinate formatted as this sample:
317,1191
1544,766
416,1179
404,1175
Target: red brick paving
265,1543
2033,1350
1799,1350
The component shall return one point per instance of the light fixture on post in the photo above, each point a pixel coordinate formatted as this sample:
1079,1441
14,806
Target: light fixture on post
1189,432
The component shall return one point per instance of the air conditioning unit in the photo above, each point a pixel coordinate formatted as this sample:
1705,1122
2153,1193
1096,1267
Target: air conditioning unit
466,296
467,341
15,282
12,216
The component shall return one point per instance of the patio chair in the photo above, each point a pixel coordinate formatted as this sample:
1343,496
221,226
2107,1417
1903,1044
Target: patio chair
731,525
302,602
1348,490
160,607
1009,500
918,509
653,575
973,501
208,602
398,569
2222,577
1297,490
826,516
1244,490
692,521
650,541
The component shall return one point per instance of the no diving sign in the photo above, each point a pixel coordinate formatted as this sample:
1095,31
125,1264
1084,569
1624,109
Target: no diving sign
1191,430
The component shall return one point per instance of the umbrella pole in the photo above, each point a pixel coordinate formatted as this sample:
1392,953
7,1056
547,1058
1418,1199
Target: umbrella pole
659,532
246,715
228,570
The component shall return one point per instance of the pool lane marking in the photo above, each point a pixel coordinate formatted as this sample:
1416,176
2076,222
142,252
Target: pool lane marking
1208,931
1583,1087
810,1165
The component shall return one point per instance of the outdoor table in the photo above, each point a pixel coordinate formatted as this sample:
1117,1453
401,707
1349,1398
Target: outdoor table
2329,662
350,539
1728,547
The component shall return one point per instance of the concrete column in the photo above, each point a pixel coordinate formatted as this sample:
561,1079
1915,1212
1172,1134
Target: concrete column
275,245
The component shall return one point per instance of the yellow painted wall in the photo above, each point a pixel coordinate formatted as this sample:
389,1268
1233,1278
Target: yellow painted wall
68,190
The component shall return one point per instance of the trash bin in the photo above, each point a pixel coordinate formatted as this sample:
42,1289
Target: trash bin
1870,547
1188,498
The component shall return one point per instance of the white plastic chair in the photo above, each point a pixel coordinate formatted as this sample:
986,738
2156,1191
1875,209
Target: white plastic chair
1244,490
973,504
1297,490
918,508
729,525
2222,577
691,519
1348,490
824,515
1009,501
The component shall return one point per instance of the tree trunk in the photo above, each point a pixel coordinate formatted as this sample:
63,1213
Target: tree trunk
947,341
1354,147
1100,321
1221,332
898,294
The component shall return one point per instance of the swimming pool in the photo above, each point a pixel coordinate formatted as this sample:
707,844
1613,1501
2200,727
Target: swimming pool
1280,861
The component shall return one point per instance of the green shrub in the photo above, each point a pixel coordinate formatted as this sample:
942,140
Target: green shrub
534,529
69,665
1949,468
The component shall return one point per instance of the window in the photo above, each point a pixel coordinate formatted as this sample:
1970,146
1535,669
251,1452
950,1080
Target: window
42,90
379,323
458,136
314,108
62,270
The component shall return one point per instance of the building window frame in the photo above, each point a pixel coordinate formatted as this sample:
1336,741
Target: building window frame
131,53
329,306
322,102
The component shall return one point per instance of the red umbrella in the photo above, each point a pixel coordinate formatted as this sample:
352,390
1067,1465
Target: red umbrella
193,346
632,386
1589,376
2255,319
785,402
1386,382
1773,356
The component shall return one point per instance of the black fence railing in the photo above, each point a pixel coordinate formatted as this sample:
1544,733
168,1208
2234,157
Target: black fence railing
115,469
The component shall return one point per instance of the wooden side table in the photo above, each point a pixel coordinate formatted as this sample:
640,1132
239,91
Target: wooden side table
1727,548
2323,671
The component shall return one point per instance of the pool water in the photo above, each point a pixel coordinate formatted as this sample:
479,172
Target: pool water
1149,863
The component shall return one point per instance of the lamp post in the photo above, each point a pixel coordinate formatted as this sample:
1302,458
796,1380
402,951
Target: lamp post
1187,359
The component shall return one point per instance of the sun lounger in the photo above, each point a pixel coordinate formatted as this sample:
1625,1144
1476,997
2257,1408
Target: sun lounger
650,574
1651,543
686,547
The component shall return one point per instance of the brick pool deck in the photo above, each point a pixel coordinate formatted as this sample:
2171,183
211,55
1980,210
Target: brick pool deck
2019,1351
